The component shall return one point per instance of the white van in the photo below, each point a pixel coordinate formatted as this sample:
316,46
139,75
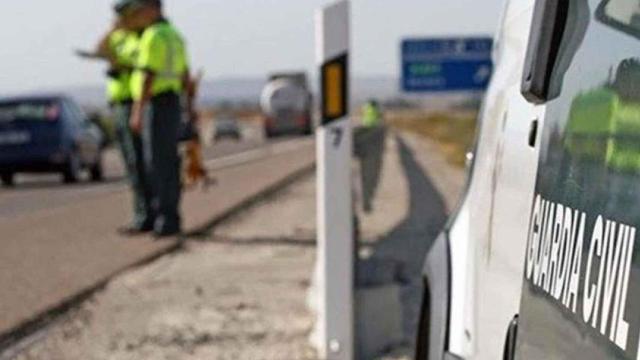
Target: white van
540,260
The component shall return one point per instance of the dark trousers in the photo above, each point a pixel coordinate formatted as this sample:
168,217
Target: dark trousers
132,153
160,138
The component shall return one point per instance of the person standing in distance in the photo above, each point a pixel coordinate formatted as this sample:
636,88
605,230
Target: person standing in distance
119,46
160,78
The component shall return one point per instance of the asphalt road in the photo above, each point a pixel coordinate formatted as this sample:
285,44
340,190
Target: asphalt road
59,240
37,192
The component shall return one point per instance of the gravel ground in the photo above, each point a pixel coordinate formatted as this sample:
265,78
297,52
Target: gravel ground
212,301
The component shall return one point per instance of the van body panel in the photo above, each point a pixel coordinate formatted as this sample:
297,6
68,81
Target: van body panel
461,313
501,253
481,301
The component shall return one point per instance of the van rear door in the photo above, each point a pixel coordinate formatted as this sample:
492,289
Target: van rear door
581,291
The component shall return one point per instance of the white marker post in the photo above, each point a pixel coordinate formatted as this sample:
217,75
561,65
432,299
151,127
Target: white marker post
335,213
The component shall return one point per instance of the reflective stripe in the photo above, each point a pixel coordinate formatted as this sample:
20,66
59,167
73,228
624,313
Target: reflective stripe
162,52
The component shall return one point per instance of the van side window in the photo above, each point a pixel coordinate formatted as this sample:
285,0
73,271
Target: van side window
623,15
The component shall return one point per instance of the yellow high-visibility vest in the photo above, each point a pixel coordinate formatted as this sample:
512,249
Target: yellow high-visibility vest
124,46
162,52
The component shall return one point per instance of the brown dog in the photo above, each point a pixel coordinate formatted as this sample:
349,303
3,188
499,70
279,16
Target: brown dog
194,171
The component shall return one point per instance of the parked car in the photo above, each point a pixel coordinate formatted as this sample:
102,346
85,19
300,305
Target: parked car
48,134
541,259
227,127
286,105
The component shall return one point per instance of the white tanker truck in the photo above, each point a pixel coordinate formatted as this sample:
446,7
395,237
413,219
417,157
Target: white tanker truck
286,105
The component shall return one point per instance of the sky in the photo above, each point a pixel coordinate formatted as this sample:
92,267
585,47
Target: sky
226,38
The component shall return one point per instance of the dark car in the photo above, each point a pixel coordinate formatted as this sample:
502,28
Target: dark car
43,134
227,128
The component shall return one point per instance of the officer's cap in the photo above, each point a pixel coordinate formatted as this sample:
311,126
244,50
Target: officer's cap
121,6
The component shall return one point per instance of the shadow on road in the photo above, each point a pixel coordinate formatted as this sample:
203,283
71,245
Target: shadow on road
399,255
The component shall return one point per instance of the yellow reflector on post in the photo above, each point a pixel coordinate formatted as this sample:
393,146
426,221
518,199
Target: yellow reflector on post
333,90
335,100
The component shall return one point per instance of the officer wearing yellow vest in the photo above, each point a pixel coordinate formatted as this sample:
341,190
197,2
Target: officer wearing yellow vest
119,47
160,78
369,146
371,114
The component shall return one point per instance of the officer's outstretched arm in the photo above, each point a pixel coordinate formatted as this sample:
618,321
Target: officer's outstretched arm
101,52
103,49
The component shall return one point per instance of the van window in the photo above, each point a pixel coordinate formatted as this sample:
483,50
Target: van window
623,15
32,110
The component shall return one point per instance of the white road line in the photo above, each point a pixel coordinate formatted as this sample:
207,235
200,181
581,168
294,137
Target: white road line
255,154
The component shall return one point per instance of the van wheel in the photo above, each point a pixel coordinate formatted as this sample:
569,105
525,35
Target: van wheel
96,171
71,173
7,179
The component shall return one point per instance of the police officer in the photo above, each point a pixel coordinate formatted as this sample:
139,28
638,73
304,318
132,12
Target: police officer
160,77
371,115
119,47
369,141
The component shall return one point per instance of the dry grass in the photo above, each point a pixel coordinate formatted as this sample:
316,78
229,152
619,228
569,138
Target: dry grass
453,132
